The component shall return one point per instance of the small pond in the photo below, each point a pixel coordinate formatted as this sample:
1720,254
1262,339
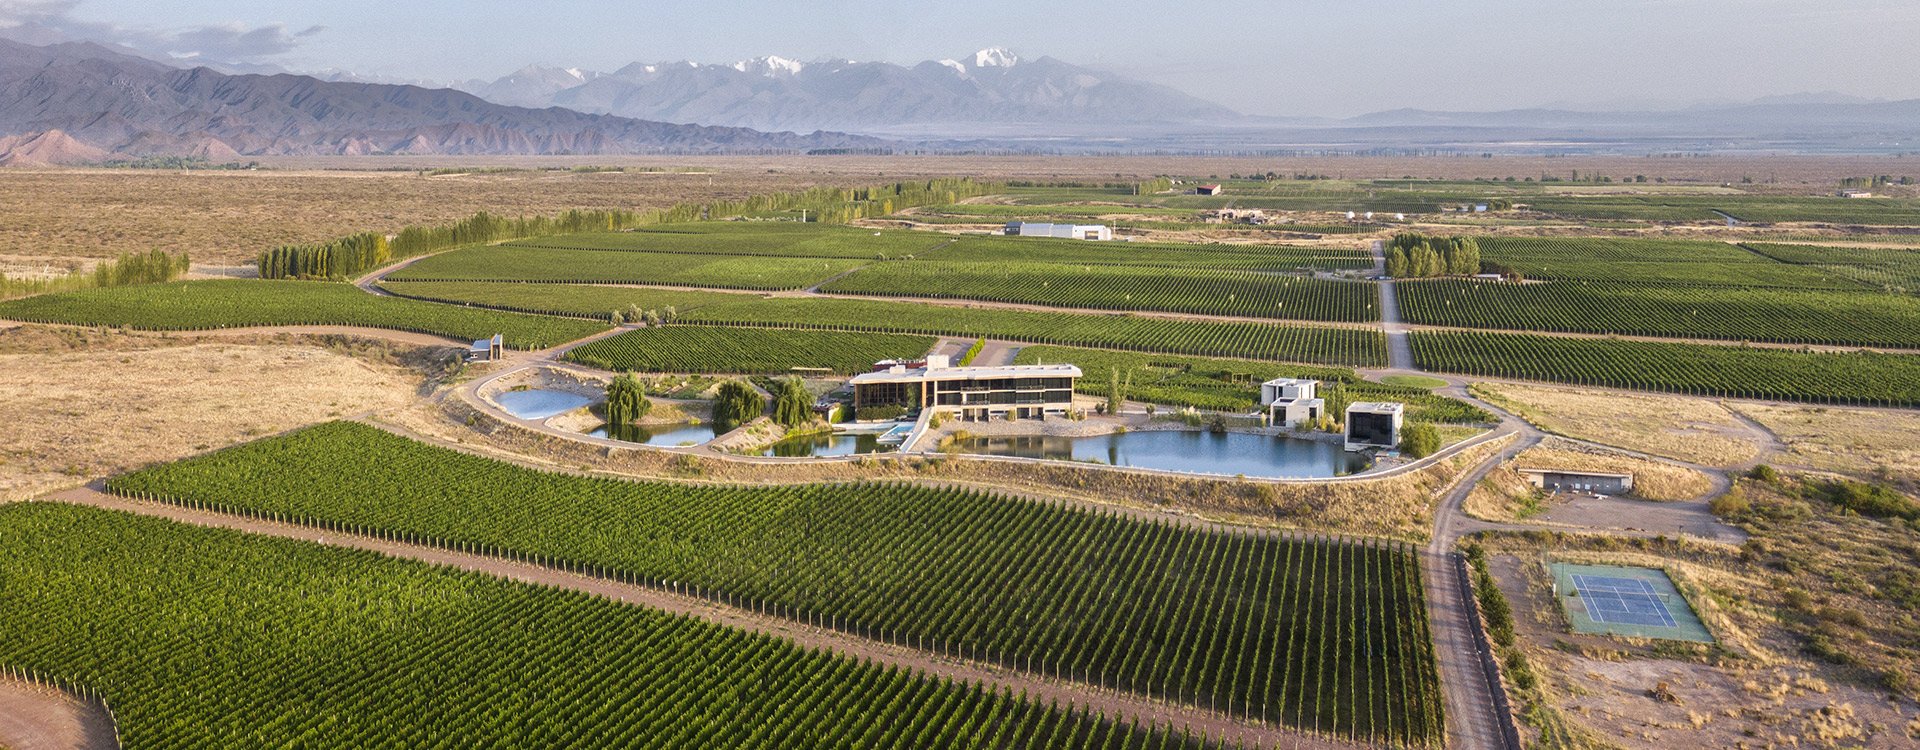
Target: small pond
659,435
536,403
822,445
1229,453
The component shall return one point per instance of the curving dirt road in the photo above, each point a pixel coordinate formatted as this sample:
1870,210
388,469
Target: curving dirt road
1121,707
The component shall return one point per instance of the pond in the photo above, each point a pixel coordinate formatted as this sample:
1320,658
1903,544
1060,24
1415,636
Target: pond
823,445
660,435
1229,453
536,403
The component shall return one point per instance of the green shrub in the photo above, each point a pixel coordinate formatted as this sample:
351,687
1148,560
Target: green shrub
1420,440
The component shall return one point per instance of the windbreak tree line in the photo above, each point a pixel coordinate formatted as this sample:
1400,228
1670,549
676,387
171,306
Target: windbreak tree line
1412,255
352,256
151,267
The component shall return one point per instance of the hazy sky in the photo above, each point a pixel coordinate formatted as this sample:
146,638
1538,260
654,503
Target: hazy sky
1279,57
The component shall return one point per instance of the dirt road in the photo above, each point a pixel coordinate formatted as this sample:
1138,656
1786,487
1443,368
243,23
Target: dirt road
41,718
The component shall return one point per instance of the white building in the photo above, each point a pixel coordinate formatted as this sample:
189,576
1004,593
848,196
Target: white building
1291,402
1374,424
974,393
1099,232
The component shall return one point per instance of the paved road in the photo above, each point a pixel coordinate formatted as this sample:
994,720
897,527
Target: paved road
1119,706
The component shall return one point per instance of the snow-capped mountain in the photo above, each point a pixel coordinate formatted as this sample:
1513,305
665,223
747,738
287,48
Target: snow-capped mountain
992,87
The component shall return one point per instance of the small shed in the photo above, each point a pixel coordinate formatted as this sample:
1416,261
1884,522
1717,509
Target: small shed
1564,480
1209,190
488,350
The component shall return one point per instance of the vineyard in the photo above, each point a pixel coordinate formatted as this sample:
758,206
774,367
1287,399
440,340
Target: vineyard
205,638
768,239
575,300
1642,261
732,349
1340,346
1895,270
1779,315
1318,634
517,263
1234,384
974,249
1241,293
205,305
1750,208
1721,371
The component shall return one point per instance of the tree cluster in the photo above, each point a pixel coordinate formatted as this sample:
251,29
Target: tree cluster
736,404
1419,256
792,403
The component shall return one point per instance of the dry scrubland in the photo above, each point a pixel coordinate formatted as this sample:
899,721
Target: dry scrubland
1808,574
1504,494
1866,443
100,404
1696,430
228,217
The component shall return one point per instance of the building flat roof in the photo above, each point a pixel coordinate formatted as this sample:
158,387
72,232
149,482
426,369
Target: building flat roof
1572,472
1381,407
920,374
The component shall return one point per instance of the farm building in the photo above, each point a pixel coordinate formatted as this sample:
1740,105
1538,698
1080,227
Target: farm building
1855,194
1059,231
488,350
1374,424
1291,402
974,393
1597,482
1209,190
1237,216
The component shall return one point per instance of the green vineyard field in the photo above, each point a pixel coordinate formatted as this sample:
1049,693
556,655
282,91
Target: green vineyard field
752,351
1353,347
1778,315
974,249
1700,370
1233,384
1312,632
516,263
1643,261
1895,270
760,238
206,638
1237,293
206,305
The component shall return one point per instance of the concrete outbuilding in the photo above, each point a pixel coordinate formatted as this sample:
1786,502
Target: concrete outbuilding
1374,424
1292,402
1098,232
1596,482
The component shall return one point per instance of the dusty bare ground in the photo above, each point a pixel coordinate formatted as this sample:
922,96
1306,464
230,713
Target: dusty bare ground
41,718
65,415
1756,689
1866,443
1122,707
1695,430
1398,507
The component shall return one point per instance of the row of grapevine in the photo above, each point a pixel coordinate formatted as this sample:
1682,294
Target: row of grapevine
206,305
772,239
1317,633
575,266
1356,347
1241,293
1792,316
1650,261
753,351
1722,371
989,249
205,638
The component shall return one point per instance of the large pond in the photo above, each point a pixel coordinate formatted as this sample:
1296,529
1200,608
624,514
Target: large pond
662,435
1230,453
536,403
823,445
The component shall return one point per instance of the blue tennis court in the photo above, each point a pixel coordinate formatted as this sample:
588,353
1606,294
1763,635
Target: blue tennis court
1625,601
1622,600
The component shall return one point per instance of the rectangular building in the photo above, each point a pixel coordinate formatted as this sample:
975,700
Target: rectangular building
974,393
1374,424
1292,402
1209,190
1099,232
488,350
1597,482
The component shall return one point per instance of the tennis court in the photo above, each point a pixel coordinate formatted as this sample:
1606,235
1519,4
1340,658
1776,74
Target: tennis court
1635,602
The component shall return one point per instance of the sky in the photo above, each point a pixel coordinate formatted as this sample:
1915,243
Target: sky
1277,57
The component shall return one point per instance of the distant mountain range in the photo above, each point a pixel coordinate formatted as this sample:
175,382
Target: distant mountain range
78,102
942,98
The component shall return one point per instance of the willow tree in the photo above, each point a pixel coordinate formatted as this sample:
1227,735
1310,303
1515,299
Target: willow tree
626,400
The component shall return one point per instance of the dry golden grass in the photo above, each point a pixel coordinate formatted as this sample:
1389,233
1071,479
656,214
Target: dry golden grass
1696,430
70,415
228,217
1867,443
